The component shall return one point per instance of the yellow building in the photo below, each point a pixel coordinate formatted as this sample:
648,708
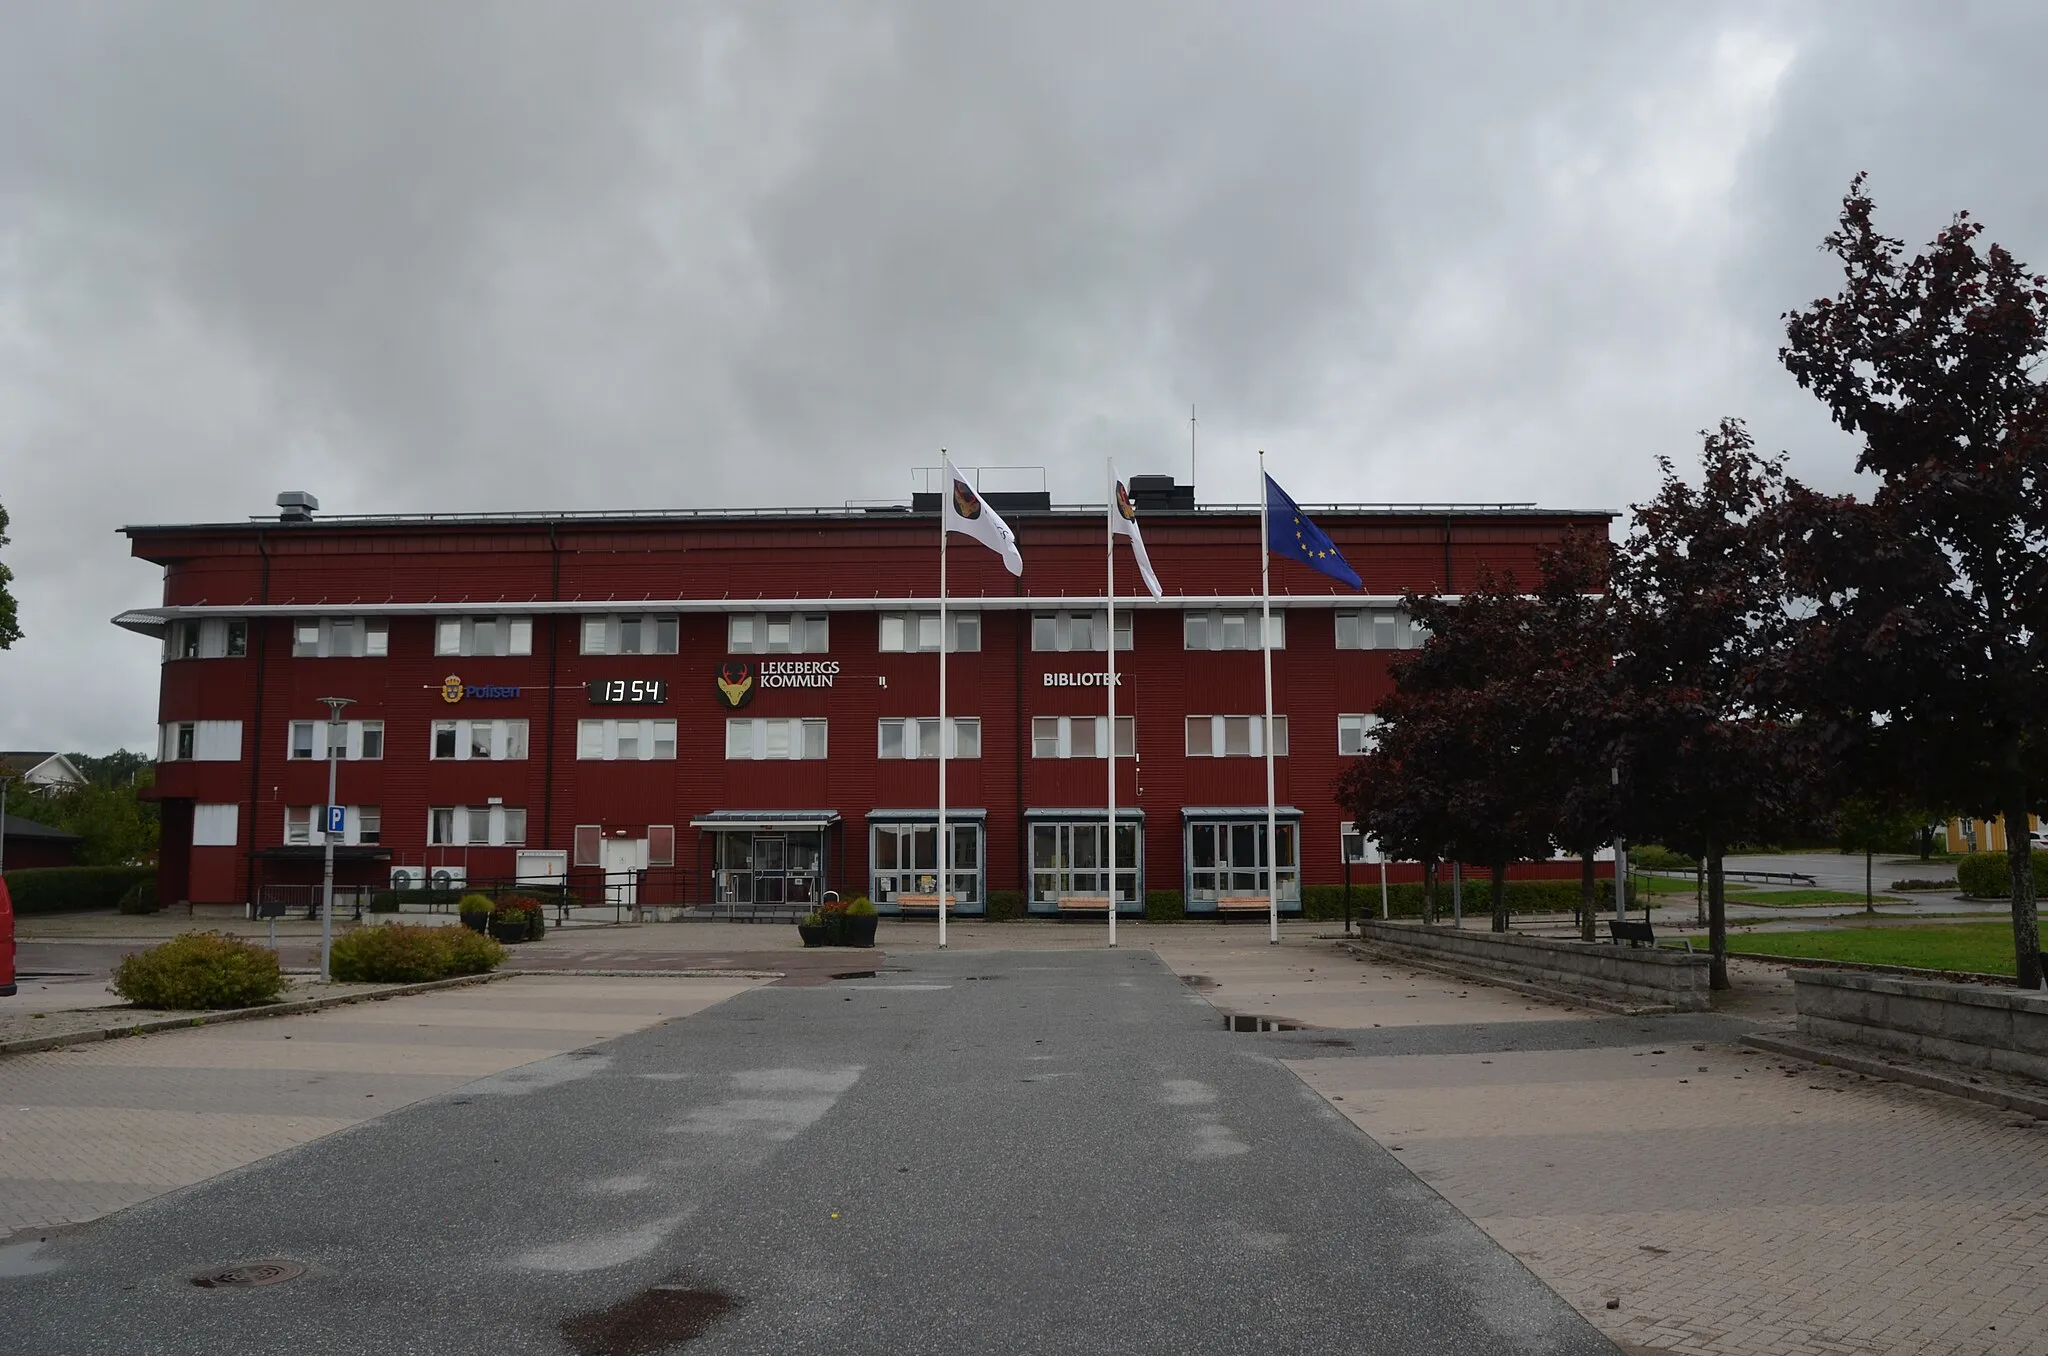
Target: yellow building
1986,835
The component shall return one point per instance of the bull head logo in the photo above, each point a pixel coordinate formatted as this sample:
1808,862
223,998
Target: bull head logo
736,682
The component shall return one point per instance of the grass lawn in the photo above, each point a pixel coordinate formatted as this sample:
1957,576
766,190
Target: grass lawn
1792,899
1985,947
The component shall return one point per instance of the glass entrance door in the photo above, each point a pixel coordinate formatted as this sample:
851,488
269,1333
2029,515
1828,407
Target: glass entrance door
771,869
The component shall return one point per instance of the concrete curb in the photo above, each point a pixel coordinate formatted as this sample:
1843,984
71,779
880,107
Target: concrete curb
1918,1075
1568,997
154,1025
655,974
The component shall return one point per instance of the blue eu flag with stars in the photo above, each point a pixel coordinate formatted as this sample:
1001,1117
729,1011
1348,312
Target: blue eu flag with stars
1290,533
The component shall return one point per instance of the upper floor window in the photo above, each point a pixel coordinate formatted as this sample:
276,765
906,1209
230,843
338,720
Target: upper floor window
778,633
308,739
340,638
483,635
1064,631
630,633
1234,736
208,638
1381,629
466,739
204,741
1230,629
1081,737
1355,733
774,739
919,737
625,740
910,632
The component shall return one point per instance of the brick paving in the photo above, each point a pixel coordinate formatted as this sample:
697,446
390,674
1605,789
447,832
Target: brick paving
89,1129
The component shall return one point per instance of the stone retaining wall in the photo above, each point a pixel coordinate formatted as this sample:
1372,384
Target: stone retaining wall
1642,975
1975,1025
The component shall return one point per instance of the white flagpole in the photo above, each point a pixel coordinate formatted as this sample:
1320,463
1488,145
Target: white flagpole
1109,536
944,835
1266,649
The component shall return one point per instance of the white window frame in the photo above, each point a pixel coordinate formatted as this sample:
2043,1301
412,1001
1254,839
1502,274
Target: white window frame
456,636
917,632
652,740
207,638
304,825
1223,729
367,638
1230,628
1365,629
775,739
210,741
475,825
655,633
1071,857
1078,632
1059,732
779,633
1355,733
913,733
216,825
352,748
501,735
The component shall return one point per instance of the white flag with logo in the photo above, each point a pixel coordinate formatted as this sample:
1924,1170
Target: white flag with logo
966,511
1123,518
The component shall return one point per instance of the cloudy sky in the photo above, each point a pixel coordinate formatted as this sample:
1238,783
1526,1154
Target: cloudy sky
523,256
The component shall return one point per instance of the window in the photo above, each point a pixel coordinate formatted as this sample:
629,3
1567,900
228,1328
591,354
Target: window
631,634
1234,737
1230,630
1065,631
904,860
497,740
589,839
1354,846
625,740
1229,857
919,738
209,638
1355,733
340,638
215,825
515,824
1081,737
188,640
362,739
661,845
483,635
778,633
476,826
760,740
298,824
237,640
205,741
1382,629
305,825
1072,858
369,823
912,632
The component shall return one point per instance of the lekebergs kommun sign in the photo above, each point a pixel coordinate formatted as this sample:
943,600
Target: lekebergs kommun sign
739,679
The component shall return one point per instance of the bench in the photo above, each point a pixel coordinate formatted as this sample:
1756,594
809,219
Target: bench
1635,934
1227,904
1083,903
922,902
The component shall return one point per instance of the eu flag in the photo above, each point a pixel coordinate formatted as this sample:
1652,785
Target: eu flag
1290,533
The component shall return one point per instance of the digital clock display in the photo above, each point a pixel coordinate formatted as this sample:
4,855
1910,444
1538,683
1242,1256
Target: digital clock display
628,692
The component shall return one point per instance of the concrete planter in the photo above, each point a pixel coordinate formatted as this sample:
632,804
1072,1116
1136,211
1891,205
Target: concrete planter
1644,976
1973,1025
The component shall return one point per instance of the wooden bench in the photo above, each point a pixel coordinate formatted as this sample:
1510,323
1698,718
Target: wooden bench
1227,904
1635,934
1083,903
931,902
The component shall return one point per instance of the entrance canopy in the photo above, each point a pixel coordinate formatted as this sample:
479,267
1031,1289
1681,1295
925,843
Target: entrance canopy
767,821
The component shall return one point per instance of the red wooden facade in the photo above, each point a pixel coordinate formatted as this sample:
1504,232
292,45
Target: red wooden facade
409,573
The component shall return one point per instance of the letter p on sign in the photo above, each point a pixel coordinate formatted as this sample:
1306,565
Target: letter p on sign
336,818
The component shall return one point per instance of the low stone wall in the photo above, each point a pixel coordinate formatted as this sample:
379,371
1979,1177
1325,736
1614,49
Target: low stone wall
1639,975
1974,1025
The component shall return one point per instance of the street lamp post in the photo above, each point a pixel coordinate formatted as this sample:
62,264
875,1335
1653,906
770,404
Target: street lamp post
337,741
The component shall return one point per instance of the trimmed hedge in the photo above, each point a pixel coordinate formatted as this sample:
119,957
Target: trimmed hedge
1005,906
141,898
400,953
199,970
73,889
1988,875
1164,906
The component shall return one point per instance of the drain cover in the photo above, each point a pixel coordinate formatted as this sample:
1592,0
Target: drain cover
242,1275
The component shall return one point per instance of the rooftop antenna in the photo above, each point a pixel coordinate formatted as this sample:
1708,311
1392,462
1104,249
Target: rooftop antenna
1191,451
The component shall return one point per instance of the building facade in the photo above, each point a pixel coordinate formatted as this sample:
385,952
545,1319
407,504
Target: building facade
705,708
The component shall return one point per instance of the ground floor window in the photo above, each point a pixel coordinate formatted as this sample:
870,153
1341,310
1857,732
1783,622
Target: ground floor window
903,858
1070,858
1228,858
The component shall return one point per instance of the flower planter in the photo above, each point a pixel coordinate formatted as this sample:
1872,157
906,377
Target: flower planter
476,922
857,931
813,934
512,932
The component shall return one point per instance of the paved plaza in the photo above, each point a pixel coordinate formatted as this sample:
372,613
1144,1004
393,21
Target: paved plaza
1723,1201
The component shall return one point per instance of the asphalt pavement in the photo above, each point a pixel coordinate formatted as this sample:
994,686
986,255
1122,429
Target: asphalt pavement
965,1152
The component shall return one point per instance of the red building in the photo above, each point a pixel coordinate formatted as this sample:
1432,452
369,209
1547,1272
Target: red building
717,706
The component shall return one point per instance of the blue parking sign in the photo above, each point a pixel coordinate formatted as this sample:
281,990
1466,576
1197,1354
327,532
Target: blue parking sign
337,818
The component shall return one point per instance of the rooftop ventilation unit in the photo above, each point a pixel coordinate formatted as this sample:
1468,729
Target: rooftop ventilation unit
296,506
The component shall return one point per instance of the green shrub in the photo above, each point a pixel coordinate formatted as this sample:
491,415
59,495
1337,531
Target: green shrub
73,889
384,901
402,953
141,897
477,903
1657,857
198,970
860,906
1164,906
1988,875
1005,906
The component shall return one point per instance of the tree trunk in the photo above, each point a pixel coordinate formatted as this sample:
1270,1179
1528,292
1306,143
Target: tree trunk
1589,895
1869,895
1498,887
2019,856
1717,918
1428,890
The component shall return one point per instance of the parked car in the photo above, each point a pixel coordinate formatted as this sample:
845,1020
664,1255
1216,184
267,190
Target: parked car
6,942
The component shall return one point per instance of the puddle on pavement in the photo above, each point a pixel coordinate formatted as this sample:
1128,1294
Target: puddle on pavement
651,1321
19,1259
